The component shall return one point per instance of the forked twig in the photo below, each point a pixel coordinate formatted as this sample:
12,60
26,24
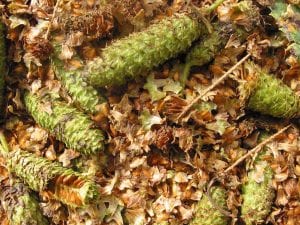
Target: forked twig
188,107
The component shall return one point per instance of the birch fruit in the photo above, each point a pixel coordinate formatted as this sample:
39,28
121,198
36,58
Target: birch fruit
266,94
43,175
21,206
135,55
258,196
66,123
206,213
83,94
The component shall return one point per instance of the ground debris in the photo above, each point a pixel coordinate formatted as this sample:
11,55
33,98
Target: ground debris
157,107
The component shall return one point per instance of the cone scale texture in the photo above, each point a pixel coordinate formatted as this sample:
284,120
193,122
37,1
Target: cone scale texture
257,198
83,94
21,206
61,183
206,214
270,96
66,123
137,54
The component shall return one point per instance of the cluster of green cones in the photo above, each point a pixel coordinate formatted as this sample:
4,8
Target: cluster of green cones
257,197
124,60
39,174
75,190
134,56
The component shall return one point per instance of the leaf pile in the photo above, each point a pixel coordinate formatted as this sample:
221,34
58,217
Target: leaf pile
137,112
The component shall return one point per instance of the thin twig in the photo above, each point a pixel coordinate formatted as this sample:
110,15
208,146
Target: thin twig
52,19
255,149
187,4
206,10
188,107
212,201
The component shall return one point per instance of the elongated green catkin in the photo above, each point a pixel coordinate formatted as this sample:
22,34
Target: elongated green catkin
270,96
132,56
21,206
257,197
206,213
83,94
2,63
69,125
206,49
41,174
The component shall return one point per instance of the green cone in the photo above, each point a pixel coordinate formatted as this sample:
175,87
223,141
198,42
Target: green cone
130,57
257,198
206,214
2,63
41,174
207,48
21,206
69,125
83,94
270,96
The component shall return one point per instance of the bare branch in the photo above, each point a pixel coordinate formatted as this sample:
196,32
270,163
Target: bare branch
255,149
197,99
52,19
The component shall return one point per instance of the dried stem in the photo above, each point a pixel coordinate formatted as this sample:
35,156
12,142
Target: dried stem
255,149
206,10
186,73
52,19
213,6
213,202
188,107
66,122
